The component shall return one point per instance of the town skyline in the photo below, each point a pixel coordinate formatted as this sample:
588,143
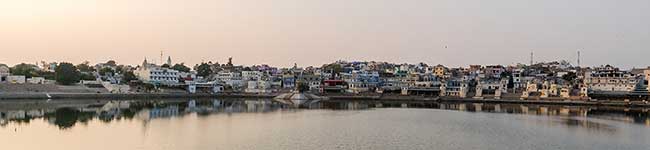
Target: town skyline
162,59
313,32
324,74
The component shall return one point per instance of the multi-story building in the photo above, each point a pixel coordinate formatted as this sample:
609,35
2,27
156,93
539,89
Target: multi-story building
313,81
158,75
259,87
153,74
251,75
454,88
440,70
333,86
288,81
232,79
228,76
610,79
518,79
494,71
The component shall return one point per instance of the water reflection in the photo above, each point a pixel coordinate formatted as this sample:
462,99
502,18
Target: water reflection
65,117
623,114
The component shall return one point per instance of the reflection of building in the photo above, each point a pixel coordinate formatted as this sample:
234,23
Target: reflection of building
158,112
20,114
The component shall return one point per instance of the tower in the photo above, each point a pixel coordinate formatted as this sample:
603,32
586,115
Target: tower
161,57
578,58
169,60
145,63
532,58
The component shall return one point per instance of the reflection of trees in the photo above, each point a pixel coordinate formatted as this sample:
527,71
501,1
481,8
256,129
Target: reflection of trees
66,118
129,113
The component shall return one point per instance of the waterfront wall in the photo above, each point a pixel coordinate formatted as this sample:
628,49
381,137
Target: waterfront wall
123,96
393,98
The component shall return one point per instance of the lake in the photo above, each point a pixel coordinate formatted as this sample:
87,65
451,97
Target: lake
181,124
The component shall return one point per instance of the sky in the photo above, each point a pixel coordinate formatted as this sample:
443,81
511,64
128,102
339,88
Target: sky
314,32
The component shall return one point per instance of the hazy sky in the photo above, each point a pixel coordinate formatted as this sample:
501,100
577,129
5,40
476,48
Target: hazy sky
313,32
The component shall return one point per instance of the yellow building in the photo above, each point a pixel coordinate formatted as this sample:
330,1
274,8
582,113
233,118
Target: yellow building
440,70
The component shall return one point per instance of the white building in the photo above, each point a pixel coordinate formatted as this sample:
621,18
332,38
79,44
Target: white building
153,74
518,79
228,76
16,79
610,79
258,87
454,88
251,75
36,80
232,79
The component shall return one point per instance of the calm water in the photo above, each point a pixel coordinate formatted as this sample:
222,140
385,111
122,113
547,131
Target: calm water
263,124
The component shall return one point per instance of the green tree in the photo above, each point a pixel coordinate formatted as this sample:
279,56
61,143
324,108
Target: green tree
203,70
67,74
570,76
121,69
111,63
181,67
27,70
106,71
333,68
165,66
128,76
87,76
46,74
85,67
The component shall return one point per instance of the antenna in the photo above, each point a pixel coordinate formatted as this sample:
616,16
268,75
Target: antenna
161,58
578,58
532,58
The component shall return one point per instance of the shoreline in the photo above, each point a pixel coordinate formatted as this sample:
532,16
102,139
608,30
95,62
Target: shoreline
114,96
401,99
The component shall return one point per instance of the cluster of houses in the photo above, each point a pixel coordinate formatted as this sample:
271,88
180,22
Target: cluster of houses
7,77
552,80
549,80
